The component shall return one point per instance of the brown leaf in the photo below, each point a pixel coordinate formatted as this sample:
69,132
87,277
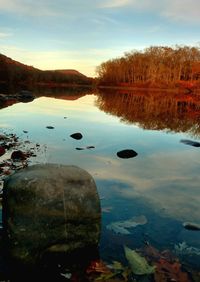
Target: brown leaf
166,271
98,266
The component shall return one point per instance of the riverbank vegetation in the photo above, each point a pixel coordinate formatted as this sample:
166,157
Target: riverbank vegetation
157,66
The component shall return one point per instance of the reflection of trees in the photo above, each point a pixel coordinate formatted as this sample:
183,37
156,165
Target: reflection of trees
176,112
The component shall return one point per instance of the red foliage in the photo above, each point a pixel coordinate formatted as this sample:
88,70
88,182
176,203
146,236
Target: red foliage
97,266
166,271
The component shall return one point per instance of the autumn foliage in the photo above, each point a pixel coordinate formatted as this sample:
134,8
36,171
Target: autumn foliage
155,66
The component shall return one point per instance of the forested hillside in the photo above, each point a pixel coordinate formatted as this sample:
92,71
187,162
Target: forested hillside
13,72
153,66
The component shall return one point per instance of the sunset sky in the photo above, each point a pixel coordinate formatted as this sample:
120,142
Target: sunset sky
80,34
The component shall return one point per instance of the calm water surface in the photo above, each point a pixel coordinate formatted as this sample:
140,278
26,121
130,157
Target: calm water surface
159,187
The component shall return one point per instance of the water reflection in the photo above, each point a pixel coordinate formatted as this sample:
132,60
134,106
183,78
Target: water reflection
160,183
154,110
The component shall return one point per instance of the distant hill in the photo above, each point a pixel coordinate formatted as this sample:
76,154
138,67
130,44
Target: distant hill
71,72
13,72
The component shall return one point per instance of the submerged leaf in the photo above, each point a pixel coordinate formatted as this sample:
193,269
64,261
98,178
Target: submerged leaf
122,227
138,264
106,209
117,265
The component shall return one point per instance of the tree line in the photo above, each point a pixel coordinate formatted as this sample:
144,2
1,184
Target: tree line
155,65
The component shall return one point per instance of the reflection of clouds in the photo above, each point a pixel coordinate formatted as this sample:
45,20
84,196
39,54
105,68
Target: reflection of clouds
165,172
169,181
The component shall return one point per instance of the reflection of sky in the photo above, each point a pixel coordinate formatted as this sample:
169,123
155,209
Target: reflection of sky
165,172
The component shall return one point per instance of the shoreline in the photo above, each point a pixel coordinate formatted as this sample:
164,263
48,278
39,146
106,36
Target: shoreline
154,89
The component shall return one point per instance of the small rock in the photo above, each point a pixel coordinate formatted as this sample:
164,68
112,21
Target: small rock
18,155
2,151
50,127
191,226
25,96
3,137
126,154
190,142
77,136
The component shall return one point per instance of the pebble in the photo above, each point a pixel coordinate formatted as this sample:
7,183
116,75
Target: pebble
77,135
126,154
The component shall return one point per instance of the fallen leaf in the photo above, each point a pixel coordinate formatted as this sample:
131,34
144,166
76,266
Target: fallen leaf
138,264
98,266
166,271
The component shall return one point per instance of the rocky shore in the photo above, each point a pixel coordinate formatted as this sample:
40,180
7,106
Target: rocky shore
21,96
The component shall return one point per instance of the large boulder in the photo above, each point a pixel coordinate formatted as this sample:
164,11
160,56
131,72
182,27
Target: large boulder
50,210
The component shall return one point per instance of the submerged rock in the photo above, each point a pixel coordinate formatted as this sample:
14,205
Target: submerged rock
190,142
191,226
50,210
49,127
126,154
77,135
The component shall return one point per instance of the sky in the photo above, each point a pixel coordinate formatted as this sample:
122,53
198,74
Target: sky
81,34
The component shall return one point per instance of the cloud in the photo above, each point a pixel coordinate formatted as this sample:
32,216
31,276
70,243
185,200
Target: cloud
32,8
5,35
175,10
182,10
115,3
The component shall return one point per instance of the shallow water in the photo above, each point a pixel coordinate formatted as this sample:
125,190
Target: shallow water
161,183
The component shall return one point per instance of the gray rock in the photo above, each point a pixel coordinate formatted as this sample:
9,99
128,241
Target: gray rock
50,209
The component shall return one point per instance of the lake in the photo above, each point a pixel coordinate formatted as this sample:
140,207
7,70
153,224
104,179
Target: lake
145,200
